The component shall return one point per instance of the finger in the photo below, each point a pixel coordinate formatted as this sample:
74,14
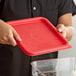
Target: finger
3,42
12,40
64,34
17,37
60,27
7,42
5,38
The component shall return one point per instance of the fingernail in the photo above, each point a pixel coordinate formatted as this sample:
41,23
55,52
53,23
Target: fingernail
59,30
20,39
14,45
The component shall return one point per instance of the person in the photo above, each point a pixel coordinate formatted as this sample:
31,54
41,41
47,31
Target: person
13,62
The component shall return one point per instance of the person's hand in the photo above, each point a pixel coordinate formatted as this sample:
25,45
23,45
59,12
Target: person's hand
8,34
66,31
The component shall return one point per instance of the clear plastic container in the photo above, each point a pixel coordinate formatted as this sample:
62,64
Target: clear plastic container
54,67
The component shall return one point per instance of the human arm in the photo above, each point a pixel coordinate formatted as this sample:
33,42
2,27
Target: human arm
65,18
65,26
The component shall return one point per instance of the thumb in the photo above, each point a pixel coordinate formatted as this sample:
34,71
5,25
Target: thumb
64,34
15,34
60,27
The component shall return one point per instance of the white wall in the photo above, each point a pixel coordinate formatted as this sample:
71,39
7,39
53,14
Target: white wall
70,52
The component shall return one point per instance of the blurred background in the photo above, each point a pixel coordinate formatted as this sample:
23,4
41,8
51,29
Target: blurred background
70,52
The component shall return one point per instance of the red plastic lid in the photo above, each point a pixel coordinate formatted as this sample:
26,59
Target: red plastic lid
39,36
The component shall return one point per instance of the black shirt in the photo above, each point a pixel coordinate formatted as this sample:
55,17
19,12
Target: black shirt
13,62
51,9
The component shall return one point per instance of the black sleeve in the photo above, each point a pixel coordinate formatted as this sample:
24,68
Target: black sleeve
73,8
1,5
65,6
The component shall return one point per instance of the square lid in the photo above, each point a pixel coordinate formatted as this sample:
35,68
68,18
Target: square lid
39,36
